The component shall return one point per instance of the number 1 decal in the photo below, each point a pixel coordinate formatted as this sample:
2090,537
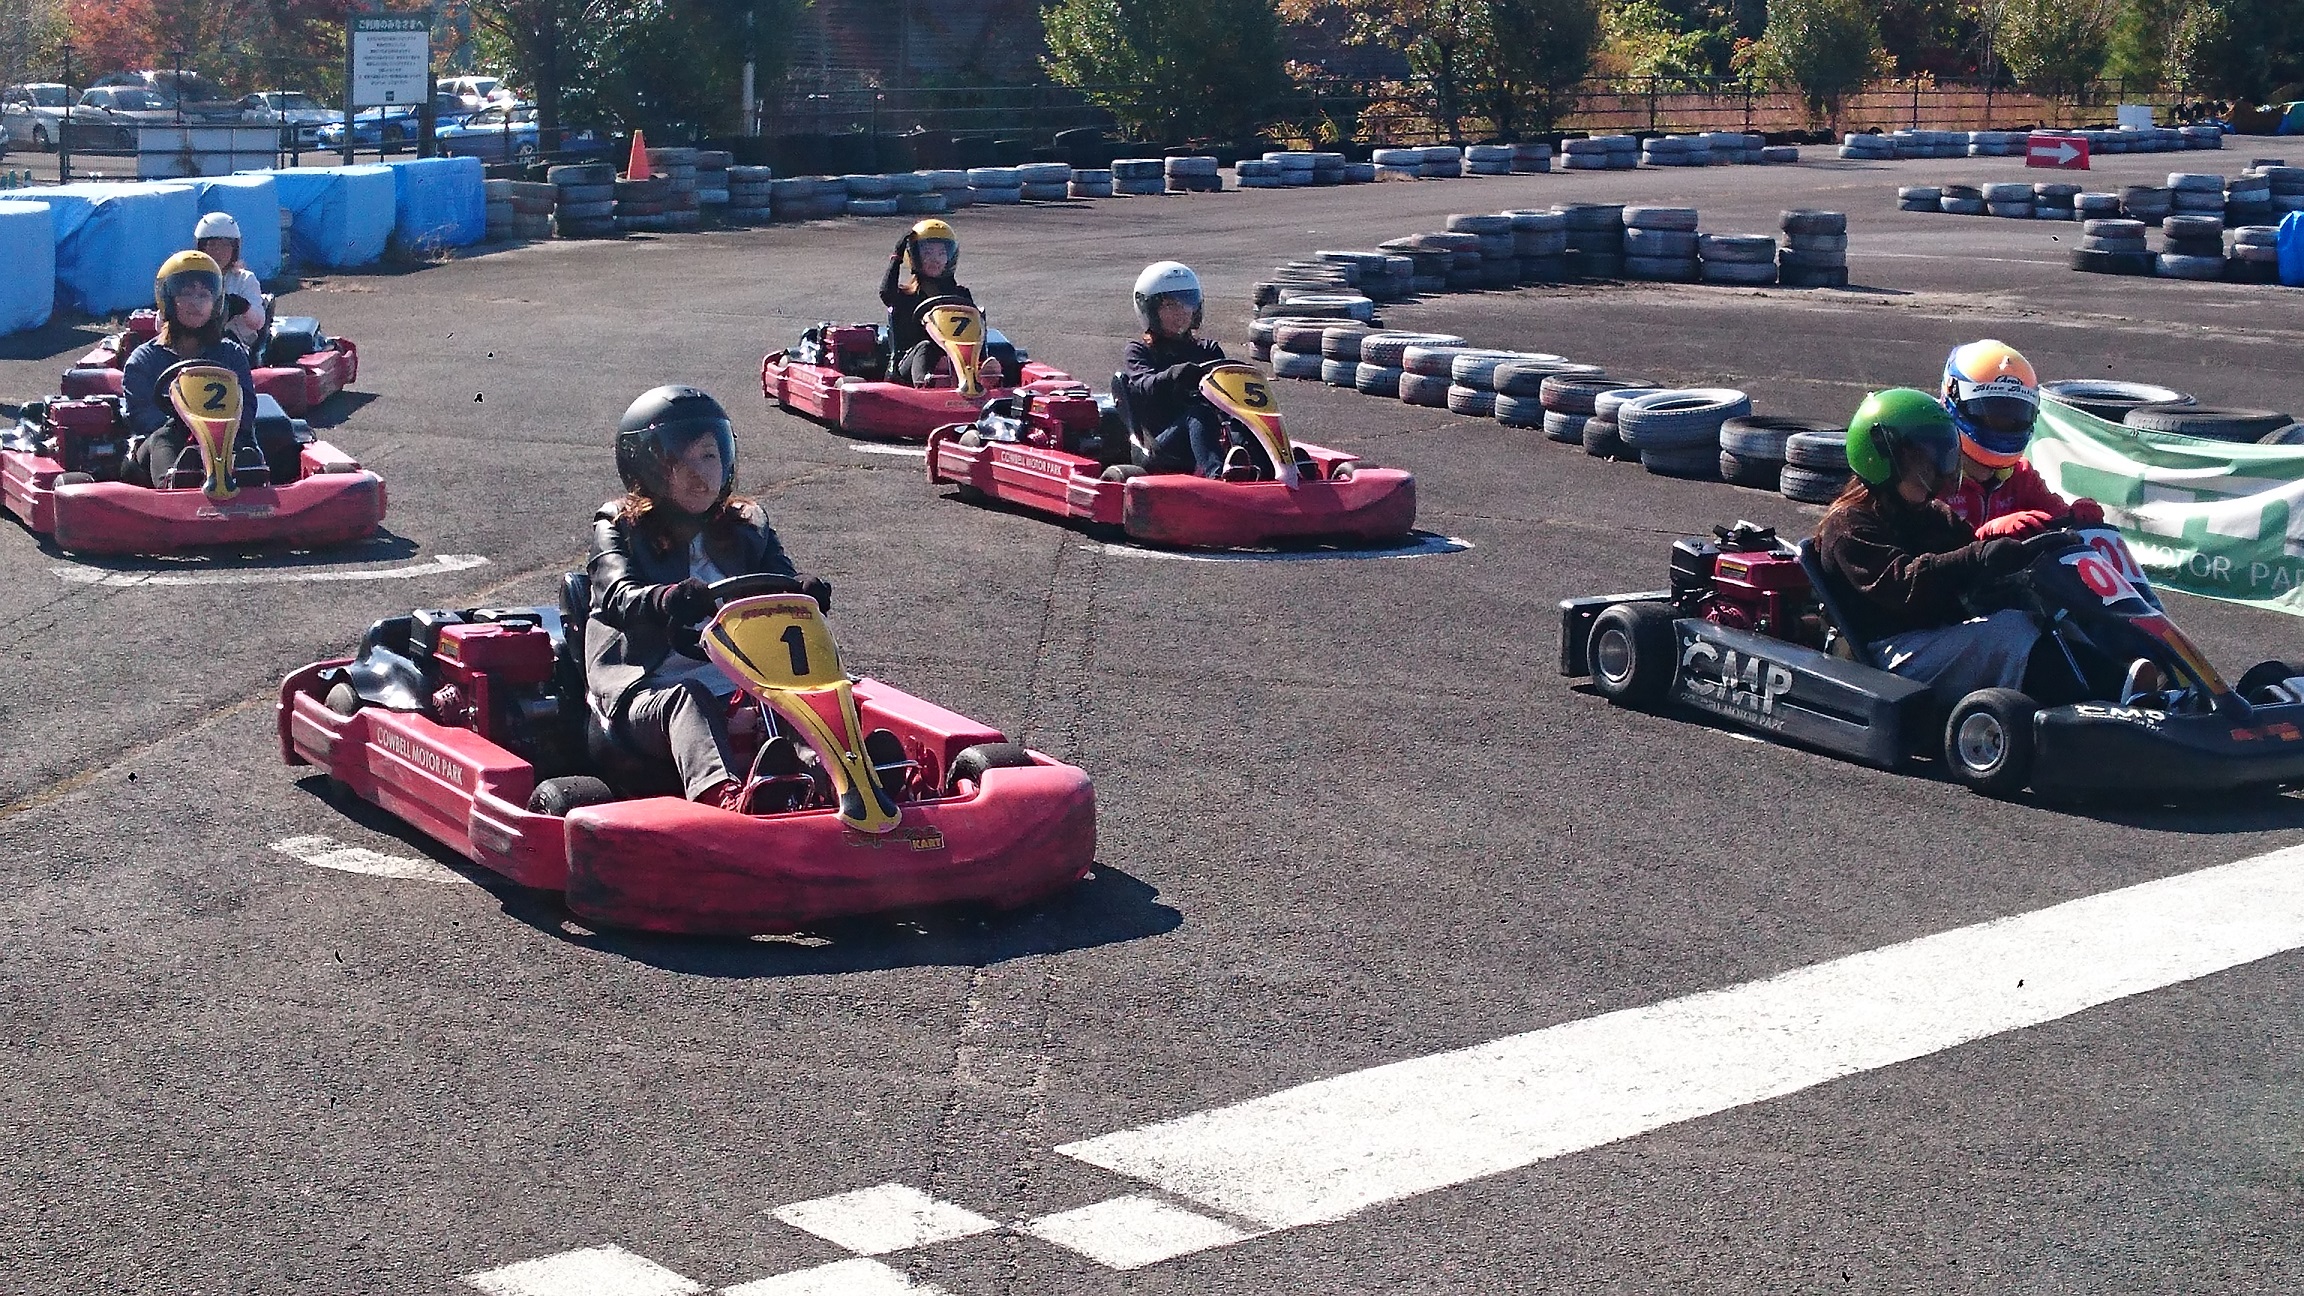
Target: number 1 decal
796,642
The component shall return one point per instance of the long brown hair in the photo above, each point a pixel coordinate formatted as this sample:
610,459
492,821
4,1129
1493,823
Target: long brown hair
637,511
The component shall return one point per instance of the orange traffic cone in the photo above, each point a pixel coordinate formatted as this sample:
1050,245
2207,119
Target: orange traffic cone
637,168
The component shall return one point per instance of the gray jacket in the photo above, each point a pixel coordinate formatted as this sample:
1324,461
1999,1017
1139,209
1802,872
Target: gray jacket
627,639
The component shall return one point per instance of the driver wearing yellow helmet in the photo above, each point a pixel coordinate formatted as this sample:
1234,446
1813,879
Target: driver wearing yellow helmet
189,294
930,251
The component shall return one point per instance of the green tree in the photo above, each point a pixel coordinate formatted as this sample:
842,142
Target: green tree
30,31
2142,34
673,67
1513,63
1645,38
1170,69
1825,47
2056,46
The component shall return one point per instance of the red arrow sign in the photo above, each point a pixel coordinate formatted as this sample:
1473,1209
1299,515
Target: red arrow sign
2063,152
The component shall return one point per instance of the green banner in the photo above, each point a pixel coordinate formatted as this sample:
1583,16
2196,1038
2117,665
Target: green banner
2213,518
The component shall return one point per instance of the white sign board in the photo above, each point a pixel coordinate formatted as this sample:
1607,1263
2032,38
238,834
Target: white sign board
391,59
180,152
2135,116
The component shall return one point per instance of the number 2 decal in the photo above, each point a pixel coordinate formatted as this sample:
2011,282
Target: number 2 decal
796,642
215,401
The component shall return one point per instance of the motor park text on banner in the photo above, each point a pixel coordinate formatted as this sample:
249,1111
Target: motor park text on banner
2213,518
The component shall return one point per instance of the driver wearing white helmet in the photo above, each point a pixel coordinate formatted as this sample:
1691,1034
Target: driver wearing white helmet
1163,370
218,235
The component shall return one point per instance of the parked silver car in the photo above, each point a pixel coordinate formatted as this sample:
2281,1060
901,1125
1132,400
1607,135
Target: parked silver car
298,115
34,114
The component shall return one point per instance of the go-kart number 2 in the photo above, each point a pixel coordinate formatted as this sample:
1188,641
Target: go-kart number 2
216,393
796,643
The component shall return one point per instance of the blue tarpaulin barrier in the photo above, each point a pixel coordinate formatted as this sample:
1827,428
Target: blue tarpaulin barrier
28,249
254,201
111,239
441,202
2291,243
342,216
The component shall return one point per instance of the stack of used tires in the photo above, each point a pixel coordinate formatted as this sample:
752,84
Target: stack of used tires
584,199
1531,158
1297,170
1584,154
1424,377
1465,271
1675,151
1519,387
2191,247
1961,200
677,167
2202,137
917,194
2013,201
1775,154
953,184
1252,173
1623,151
1745,259
1660,244
2096,206
870,195
2248,200
995,186
1263,332
644,206
1472,381
1815,251
1441,162
1379,276
1499,255
1092,183
1595,240
1815,466
2054,201
1301,279
1398,163
1194,175
2214,423
1296,346
1383,354
1733,148
518,209
1340,352
2255,255
1603,436
1045,181
751,195
2196,193
712,183
2286,183
1868,148
1429,263
809,197
1752,448
2109,400
1568,400
1677,432
1996,143
1333,169
2112,246
1330,306
2147,203
1540,245
1488,159
1139,177
1919,198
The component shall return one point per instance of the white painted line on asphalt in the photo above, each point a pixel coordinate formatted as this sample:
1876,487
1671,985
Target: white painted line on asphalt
889,1217
1132,1232
840,1278
1328,1149
900,451
433,566
1421,544
593,1271
1946,256
329,853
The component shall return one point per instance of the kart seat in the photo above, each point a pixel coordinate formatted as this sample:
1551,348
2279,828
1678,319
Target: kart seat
1139,442
625,773
1845,643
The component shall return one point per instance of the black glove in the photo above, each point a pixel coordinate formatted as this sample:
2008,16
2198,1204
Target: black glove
2004,556
235,305
819,589
683,604
1189,373
903,245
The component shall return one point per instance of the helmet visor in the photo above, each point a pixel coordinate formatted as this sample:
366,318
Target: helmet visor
688,464
1994,418
204,280
1189,298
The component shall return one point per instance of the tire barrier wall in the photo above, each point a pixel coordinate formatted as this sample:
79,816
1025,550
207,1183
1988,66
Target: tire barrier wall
28,249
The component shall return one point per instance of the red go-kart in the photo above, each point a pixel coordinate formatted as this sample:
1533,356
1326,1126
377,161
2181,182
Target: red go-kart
474,728
61,467
1017,454
296,365
838,374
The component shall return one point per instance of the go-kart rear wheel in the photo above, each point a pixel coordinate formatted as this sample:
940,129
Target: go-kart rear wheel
343,699
1988,741
2264,675
558,796
72,479
971,763
1631,653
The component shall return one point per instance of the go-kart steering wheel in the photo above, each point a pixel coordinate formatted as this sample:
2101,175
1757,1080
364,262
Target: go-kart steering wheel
751,584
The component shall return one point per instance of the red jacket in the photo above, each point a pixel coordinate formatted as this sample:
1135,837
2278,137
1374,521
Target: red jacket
2012,490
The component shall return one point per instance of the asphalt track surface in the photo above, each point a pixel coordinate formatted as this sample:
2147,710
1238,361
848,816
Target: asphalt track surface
1349,814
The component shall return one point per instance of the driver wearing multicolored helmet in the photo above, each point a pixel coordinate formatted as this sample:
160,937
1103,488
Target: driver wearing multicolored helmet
1993,397
930,251
1899,561
679,527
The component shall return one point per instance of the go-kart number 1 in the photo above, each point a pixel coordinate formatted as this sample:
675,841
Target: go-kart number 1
796,643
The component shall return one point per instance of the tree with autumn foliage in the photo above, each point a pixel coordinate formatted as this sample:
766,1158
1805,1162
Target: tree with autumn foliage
293,43
1512,64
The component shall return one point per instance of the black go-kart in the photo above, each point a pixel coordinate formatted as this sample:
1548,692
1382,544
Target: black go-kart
1749,633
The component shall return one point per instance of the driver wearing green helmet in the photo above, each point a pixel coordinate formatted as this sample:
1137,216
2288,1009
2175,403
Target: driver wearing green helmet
1901,561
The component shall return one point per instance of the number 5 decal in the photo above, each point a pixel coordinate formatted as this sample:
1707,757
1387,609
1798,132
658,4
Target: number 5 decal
1255,395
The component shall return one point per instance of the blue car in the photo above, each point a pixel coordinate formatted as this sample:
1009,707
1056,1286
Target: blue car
508,133
391,127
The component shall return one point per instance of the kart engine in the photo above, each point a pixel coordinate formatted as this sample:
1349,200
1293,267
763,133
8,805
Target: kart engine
494,671
1746,579
88,435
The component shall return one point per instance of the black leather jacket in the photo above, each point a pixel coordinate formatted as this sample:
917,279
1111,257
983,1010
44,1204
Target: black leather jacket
627,638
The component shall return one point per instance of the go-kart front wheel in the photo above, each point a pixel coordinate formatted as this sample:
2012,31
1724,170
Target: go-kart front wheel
1988,741
1631,652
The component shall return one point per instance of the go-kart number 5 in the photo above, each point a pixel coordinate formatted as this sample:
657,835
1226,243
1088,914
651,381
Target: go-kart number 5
1255,395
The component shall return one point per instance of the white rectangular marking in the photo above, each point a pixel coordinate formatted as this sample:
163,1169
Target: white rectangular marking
878,1220
840,1278
1132,1232
329,853
297,576
1325,1150
593,1271
901,451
